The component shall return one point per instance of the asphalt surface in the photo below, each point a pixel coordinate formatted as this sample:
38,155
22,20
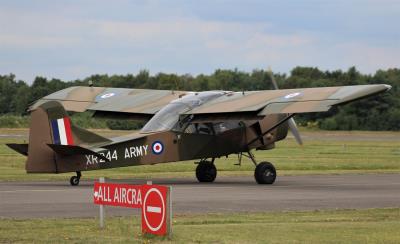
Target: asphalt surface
227,194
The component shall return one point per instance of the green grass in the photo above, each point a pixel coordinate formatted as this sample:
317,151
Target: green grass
346,155
379,155
335,226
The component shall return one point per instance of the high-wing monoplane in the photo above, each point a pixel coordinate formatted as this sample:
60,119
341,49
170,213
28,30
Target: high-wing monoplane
181,125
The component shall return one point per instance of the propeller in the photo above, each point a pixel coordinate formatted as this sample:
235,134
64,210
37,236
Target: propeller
291,122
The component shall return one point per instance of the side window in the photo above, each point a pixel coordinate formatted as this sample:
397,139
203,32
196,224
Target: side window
200,128
190,129
225,126
211,129
204,129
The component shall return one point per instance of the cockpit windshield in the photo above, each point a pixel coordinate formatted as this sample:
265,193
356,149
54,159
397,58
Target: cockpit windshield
168,117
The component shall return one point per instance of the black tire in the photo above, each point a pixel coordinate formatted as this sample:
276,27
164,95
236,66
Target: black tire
74,181
265,173
206,172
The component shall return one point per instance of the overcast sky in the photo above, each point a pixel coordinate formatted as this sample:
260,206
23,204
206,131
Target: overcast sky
70,39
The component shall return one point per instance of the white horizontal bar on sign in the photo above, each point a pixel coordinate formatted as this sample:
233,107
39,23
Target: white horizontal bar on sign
152,209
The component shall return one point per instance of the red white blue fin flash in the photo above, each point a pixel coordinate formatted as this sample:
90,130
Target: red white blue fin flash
62,133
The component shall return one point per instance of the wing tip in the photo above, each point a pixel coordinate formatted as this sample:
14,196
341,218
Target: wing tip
388,87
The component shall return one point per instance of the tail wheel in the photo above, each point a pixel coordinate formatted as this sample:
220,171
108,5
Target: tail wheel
265,173
206,171
74,180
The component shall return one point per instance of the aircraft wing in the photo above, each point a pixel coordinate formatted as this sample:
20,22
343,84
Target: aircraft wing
253,104
144,103
111,101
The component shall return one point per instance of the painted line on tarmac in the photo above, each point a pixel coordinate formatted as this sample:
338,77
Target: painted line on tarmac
38,190
286,186
220,187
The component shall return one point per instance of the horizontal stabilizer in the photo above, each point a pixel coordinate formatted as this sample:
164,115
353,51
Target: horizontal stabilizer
19,148
70,150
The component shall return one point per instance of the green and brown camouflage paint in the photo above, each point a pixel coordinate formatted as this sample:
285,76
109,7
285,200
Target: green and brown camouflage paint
263,116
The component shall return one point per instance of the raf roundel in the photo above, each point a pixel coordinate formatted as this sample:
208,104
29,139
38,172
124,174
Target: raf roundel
157,147
107,95
292,95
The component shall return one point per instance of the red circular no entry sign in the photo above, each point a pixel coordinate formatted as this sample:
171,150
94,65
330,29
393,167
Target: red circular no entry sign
154,211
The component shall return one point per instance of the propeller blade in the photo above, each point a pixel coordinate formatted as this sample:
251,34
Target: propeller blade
295,131
274,83
291,122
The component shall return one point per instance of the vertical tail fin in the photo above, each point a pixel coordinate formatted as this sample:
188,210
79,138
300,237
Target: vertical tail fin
50,124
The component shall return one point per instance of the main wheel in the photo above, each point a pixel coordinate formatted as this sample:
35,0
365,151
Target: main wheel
265,173
74,181
206,172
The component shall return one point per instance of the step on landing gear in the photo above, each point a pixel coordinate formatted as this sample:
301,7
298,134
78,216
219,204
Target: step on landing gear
74,180
206,171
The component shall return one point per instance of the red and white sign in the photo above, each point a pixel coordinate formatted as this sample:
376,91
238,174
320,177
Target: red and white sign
153,199
154,210
121,195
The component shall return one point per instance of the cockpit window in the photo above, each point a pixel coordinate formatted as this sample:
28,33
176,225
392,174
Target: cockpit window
168,117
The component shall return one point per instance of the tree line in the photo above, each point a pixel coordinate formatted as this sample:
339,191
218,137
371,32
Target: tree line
376,113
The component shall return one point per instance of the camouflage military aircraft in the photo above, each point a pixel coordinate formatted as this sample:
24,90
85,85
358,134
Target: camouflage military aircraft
181,126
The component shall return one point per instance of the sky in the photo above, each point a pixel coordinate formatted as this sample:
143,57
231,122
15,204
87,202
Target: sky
71,39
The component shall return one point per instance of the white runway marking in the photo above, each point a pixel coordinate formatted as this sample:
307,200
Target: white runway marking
38,190
285,186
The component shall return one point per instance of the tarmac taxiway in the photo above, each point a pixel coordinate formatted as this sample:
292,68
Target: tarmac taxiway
227,194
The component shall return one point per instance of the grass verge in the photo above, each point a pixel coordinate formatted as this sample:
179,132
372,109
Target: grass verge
323,153
334,226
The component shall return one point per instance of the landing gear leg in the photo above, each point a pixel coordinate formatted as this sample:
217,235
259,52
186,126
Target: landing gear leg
265,172
206,171
74,181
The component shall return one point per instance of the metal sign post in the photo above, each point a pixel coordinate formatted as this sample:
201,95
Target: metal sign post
101,180
169,212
